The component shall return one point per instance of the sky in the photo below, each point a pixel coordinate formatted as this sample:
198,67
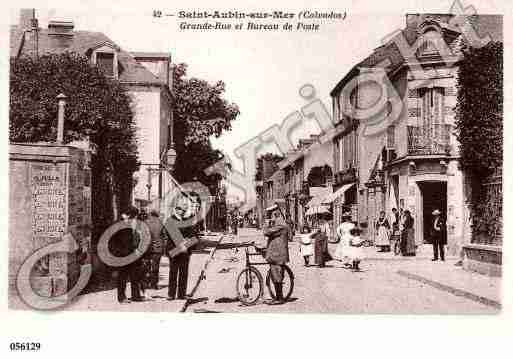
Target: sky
262,70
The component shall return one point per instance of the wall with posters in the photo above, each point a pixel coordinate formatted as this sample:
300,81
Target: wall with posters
49,196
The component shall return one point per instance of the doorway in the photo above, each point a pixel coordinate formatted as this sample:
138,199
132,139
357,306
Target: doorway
434,196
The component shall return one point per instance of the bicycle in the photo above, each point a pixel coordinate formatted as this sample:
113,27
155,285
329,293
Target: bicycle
250,279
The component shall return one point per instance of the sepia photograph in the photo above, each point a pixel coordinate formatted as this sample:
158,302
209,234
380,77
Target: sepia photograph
255,159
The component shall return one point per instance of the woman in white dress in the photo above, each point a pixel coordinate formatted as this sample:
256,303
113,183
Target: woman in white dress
306,245
382,233
344,235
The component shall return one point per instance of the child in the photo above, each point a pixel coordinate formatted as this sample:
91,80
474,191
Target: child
306,248
356,251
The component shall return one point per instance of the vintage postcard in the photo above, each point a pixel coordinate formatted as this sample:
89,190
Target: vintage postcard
322,158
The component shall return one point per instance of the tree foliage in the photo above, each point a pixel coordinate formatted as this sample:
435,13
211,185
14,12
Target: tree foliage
479,109
479,122
97,109
199,112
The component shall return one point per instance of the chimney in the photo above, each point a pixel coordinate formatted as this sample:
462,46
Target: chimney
60,34
28,19
60,27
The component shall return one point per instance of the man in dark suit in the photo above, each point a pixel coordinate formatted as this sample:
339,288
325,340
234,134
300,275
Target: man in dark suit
156,250
277,253
179,263
438,236
125,242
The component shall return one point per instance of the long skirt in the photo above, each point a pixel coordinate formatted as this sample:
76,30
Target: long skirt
383,237
342,250
408,242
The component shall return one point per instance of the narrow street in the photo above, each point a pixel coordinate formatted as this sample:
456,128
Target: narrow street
386,284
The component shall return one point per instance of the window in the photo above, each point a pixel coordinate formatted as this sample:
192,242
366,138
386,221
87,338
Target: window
432,107
391,137
347,151
430,43
105,61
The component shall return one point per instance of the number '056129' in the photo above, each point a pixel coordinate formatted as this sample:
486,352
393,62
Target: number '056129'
24,346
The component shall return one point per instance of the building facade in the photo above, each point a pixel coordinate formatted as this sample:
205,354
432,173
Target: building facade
145,75
412,162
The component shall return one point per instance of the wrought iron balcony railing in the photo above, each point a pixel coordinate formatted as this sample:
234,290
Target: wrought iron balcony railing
433,140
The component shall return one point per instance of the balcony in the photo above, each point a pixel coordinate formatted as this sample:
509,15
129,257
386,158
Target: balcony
434,140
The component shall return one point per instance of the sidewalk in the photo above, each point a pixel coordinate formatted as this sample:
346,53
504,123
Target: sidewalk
455,280
444,276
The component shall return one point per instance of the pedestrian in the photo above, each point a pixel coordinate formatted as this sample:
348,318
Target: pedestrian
126,242
355,250
407,235
277,252
179,263
344,235
144,263
306,247
321,240
235,224
382,227
157,246
438,236
395,238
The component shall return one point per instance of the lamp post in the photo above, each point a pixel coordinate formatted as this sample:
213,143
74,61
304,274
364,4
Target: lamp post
61,98
171,158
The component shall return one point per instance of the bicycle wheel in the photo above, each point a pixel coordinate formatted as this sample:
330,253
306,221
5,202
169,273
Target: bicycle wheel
288,283
250,286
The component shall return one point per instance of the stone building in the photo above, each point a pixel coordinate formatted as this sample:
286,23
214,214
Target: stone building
145,75
410,158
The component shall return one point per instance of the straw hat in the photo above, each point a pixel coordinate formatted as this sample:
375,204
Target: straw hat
436,212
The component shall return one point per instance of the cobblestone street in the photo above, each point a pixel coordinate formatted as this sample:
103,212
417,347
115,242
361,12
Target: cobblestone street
386,284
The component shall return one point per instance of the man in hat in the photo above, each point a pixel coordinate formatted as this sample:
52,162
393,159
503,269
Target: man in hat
277,253
438,236
157,247
179,264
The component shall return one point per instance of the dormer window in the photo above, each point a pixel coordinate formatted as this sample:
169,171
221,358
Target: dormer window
105,56
105,61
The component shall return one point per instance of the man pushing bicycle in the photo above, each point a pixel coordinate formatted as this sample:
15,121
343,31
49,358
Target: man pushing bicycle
277,253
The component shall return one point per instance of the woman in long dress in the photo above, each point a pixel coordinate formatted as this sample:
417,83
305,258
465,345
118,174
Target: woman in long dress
344,235
382,233
407,235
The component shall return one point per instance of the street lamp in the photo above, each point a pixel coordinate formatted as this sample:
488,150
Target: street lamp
171,157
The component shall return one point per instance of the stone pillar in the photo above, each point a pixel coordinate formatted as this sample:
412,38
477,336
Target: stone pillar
455,209
49,196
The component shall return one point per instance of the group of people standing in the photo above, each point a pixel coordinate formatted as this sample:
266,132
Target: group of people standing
399,236
143,274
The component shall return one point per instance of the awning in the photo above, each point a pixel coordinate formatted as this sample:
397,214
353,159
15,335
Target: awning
317,210
319,194
340,192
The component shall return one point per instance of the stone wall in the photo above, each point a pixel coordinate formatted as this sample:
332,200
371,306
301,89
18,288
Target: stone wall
49,196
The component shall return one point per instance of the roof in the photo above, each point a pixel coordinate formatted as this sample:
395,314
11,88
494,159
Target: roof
293,157
483,24
82,42
151,55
